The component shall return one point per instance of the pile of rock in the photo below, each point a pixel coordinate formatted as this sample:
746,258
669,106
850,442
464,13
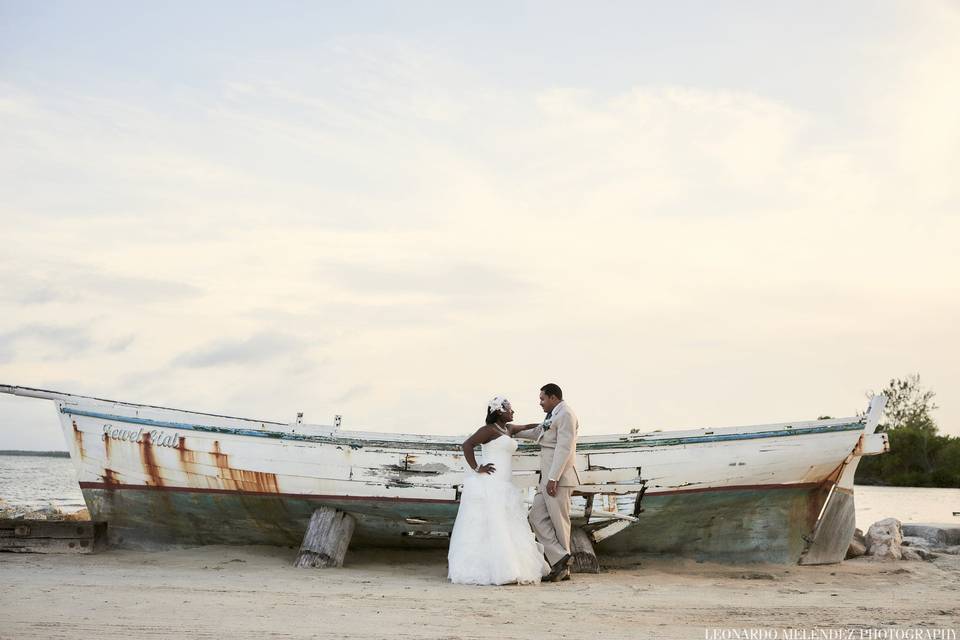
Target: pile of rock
889,539
49,512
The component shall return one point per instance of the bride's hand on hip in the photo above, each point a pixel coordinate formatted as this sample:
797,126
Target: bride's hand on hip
486,468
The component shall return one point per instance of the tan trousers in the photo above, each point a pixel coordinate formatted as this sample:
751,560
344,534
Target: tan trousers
550,521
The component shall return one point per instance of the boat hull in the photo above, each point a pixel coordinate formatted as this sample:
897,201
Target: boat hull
141,516
749,524
744,524
735,494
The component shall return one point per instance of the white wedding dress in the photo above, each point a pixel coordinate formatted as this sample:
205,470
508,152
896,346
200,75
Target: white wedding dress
491,541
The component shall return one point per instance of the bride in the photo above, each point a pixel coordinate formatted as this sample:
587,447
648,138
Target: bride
491,541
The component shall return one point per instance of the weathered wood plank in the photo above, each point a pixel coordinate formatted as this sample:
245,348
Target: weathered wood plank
583,557
609,530
585,489
588,506
46,545
46,529
833,532
326,540
600,476
52,536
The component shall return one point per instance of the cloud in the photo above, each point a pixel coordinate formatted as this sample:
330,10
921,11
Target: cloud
120,344
53,281
256,349
40,294
452,235
141,289
922,112
45,342
440,279
356,392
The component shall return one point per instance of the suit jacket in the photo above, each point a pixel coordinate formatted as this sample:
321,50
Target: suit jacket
558,446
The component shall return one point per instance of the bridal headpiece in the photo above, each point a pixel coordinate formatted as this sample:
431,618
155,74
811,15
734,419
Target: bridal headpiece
498,403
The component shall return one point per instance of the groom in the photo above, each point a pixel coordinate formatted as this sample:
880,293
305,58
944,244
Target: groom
550,515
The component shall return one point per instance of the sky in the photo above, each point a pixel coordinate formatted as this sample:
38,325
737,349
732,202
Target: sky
687,214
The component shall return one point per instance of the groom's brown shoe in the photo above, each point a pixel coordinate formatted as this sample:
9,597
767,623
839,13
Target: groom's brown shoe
563,575
557,570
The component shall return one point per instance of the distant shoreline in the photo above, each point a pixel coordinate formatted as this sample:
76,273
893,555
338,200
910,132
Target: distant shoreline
36,454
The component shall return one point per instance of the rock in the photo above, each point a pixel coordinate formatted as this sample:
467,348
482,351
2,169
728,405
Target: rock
858,545
954,550
10,511
910,554
48,512
918,553
856,549
83,514
926,554
939,535
915,542
884,538
758,576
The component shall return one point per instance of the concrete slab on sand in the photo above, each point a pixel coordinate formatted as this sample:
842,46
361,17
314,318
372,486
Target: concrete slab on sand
945,535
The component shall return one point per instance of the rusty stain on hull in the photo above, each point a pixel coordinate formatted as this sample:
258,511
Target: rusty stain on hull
110,476
187,456
78,439
818,498
149,460
242,478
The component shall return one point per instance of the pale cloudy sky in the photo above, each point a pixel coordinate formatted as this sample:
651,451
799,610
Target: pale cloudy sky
687,214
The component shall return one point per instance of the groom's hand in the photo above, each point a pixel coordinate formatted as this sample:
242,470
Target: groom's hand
552,487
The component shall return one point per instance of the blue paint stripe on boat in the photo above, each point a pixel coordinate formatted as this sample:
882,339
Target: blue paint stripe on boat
850,426
176,425
621,443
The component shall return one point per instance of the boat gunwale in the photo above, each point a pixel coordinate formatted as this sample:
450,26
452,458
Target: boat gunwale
357,439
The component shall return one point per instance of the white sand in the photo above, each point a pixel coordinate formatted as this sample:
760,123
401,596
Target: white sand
253,592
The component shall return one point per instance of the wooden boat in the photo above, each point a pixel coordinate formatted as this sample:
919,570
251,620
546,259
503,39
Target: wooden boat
778,493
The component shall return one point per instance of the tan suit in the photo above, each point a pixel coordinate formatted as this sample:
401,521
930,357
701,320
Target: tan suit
550,515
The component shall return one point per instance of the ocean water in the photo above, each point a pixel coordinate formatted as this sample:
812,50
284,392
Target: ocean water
906,504
37,481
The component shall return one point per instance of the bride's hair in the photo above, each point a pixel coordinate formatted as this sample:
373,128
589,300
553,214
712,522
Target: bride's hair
493,416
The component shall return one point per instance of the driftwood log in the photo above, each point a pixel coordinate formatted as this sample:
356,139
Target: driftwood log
583,559
326,540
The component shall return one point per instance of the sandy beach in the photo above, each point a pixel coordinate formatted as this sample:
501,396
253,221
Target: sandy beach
253,592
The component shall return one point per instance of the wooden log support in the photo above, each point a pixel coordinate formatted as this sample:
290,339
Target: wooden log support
326,540
583,558
52,536
588,509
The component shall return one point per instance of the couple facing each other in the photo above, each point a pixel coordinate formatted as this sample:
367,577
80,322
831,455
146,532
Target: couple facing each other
491,541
